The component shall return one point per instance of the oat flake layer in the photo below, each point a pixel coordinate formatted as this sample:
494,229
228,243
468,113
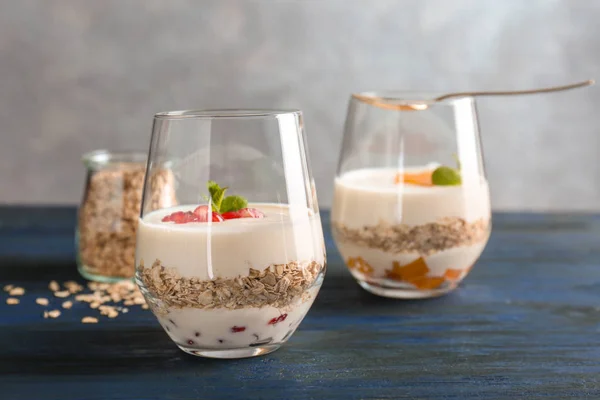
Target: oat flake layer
277,286
424,239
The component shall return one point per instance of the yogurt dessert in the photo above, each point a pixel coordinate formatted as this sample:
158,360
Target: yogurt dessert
230,275
411,234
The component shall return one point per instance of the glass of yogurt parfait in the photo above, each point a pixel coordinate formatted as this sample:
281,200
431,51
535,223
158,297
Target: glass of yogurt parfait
411,210
232,270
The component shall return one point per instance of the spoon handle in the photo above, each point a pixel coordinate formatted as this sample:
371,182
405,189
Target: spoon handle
517,92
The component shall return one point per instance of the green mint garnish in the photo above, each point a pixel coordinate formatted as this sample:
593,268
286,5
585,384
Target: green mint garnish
233,203
220,203
216,195
446,176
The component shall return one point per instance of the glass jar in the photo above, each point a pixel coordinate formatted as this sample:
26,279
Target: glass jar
109,212
235,267
411,212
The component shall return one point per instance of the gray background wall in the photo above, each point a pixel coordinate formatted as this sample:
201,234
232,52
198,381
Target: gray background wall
81,75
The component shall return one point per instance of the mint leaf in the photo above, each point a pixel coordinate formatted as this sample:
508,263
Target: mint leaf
233,203
446,176
217,193
220,203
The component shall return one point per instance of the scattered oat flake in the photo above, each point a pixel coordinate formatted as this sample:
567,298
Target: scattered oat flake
89,320
8,288
17,291
117,294
73,287
12,301
42,301
144,307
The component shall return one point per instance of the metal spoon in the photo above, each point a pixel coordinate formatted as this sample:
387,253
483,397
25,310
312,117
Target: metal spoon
384,103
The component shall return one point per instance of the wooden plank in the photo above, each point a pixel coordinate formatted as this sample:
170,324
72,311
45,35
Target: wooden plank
524,324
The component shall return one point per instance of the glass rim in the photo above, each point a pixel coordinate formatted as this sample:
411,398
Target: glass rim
226,113
406,97
102,157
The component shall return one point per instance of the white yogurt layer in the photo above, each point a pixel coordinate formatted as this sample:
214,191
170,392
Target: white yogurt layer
227,329
367,197
228,249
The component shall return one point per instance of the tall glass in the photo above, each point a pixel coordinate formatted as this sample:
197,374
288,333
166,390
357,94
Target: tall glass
411,211
232,270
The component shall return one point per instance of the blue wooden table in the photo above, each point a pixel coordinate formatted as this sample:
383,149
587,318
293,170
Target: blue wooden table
525,324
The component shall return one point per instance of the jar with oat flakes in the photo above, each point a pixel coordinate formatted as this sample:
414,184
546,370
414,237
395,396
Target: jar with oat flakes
110,209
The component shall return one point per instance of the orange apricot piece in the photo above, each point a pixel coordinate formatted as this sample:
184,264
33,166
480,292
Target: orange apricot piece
360,265
415,269
415,178
453,274
415,273
428,282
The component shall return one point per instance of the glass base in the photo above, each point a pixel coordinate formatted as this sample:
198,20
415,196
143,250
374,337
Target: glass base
231,353
406,293
99,278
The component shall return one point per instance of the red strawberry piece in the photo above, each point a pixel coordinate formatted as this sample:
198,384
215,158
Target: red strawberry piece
185,218
177,217
243,213
203,212
181,217
237,329
276,320
231,215
251,213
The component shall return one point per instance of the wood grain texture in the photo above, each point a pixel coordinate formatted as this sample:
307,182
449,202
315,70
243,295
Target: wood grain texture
524,324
